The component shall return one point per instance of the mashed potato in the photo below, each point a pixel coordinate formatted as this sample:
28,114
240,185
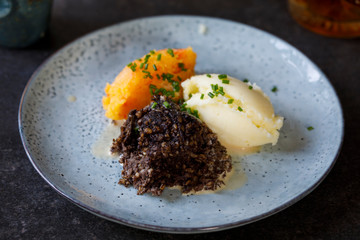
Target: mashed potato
239,112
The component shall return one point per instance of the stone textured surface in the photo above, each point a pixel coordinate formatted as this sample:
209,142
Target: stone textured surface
30,209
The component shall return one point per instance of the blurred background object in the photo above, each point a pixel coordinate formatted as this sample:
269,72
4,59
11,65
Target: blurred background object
23,22
332,18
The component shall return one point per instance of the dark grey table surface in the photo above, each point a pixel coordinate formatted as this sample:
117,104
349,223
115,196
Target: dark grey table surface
31,209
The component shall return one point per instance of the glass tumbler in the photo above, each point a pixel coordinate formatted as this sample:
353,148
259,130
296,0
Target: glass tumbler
332,18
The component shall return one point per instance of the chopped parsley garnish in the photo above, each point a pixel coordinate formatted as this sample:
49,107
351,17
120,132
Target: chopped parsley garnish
152,88
161,90
214,87
245,80
195,113
230,101
132,66
170,93
176,86
217,90
154,66
158,76
142,65
190,95
166,93
274,89
146,58
183,107
250,87
240,109
202,96
146,66
179,78
158,57
166,104
154,105
171,52
167,76
152,52
208,75
310,128
182,67
211,95
148,75
225,81
155,91
222,76
222,93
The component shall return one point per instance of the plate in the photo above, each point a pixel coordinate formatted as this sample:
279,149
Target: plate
58,132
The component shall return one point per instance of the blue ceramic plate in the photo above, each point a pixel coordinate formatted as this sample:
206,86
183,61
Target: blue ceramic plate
58,134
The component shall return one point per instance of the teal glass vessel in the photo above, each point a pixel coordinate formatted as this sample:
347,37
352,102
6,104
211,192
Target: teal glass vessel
23,22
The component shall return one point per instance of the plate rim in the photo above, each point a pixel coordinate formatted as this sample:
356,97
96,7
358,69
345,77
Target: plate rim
164,229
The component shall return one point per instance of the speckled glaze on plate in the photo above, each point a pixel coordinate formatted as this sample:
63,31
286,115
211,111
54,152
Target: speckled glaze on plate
58,134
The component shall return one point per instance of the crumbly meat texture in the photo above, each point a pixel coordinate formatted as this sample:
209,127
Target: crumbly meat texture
164,147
